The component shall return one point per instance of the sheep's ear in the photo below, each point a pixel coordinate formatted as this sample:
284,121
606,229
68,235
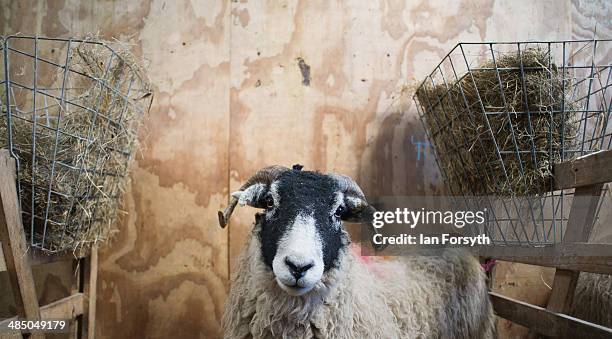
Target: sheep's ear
357,210
253,196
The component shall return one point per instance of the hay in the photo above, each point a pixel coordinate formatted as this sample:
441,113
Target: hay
466,143
77,178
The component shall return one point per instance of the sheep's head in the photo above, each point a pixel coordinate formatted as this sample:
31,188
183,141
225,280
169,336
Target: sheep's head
300,229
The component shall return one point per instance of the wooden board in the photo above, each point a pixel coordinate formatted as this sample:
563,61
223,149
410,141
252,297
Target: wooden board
587,170
14,246
90,291
37,258
596,258
76,325
546,322
65,308
579,226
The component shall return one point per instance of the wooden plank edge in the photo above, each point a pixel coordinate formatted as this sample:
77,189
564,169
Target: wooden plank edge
587,257
544,321
14,245
11,335
66,308
39,258
579,226
92,292
594,168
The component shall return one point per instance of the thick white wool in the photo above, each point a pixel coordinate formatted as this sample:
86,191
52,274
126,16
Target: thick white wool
415,297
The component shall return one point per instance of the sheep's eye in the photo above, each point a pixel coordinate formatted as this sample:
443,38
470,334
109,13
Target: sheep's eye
269,202
339,211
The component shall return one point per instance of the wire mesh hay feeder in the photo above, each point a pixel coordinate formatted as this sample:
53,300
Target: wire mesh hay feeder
500,115
71,110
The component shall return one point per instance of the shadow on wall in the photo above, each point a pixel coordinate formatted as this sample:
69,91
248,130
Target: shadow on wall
399,161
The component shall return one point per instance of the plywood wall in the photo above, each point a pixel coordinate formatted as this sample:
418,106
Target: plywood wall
245,84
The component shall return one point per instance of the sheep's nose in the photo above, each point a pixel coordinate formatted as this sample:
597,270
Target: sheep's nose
298,268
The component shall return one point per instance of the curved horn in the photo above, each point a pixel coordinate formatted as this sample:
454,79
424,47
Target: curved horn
348,185
263,176
350,188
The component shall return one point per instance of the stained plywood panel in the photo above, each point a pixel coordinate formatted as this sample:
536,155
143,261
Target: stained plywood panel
590,19
166,271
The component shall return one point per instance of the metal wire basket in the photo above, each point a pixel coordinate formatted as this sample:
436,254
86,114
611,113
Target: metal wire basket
71,109
500,115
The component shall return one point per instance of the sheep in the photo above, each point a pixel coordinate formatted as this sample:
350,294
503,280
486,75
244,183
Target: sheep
298,277
593,299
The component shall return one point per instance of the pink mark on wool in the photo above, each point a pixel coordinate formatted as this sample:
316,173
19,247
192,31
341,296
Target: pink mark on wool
356,250
373,263
488,265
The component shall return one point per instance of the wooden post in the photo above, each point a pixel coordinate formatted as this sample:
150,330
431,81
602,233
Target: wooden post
89,289
76,324
579,227
14,244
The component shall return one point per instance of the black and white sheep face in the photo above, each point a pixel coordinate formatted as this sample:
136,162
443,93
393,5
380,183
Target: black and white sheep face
301,232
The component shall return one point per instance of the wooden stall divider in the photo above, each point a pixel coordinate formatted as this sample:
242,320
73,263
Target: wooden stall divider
17,260
587,175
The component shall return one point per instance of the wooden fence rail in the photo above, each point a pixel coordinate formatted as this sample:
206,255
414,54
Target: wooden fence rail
587,175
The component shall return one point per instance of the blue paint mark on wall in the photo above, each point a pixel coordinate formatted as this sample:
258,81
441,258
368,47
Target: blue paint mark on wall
421,146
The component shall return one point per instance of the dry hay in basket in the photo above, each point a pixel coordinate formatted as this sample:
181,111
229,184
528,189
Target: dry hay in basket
528,121
74,183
